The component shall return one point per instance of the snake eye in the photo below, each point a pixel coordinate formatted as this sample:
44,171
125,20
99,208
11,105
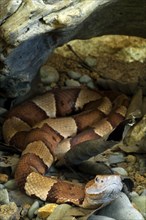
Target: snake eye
97,179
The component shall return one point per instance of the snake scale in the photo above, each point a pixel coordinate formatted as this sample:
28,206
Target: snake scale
45,128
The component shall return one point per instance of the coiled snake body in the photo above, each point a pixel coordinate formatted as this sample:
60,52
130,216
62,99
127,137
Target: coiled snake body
45,129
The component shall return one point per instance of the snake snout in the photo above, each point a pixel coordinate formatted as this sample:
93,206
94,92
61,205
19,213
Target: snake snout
104,189
108,183
105,184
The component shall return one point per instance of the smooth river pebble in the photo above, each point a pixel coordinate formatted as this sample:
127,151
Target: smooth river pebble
11,184
85,79
72,82
49,74
33,208
91,61
4,196
74,75
120,170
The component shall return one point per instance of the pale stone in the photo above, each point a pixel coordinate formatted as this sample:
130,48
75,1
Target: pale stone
49,74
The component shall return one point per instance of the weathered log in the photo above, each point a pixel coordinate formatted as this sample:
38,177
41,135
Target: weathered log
31,29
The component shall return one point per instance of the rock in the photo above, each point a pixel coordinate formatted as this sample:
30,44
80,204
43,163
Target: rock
46,210
11,184
33,209
49,74
131,159
142,165
24,210
91,61
100,217
140,203
9,161
47,88
2,110
4,196
85,79
133,194
2,186
120,170
60,212
72,82
144,193
120,209
74,75
3,178
91,85
20,198
116,158
9,212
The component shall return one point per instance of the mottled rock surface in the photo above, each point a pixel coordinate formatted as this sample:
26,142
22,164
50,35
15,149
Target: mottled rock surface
31,29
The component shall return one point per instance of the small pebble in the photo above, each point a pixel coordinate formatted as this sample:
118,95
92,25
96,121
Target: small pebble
72,82
48,74
116,158
91,85
9,162
120,170
25,209
46,210
140,202
85,79
3,178
32,209
2,110
2,186
11,184
143,193
9,211
4,196
131,159
139,177
133,194
142,165
91,61
47,88
74,75
130,169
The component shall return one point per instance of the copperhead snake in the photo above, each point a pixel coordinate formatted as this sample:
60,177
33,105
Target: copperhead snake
45,129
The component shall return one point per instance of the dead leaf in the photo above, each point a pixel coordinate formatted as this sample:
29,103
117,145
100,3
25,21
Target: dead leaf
87,149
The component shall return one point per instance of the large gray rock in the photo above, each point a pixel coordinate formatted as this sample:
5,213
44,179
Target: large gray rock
120,209
31,29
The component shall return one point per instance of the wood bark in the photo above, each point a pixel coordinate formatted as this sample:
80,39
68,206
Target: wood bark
31,29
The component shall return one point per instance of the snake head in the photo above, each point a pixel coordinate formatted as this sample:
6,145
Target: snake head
103,189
